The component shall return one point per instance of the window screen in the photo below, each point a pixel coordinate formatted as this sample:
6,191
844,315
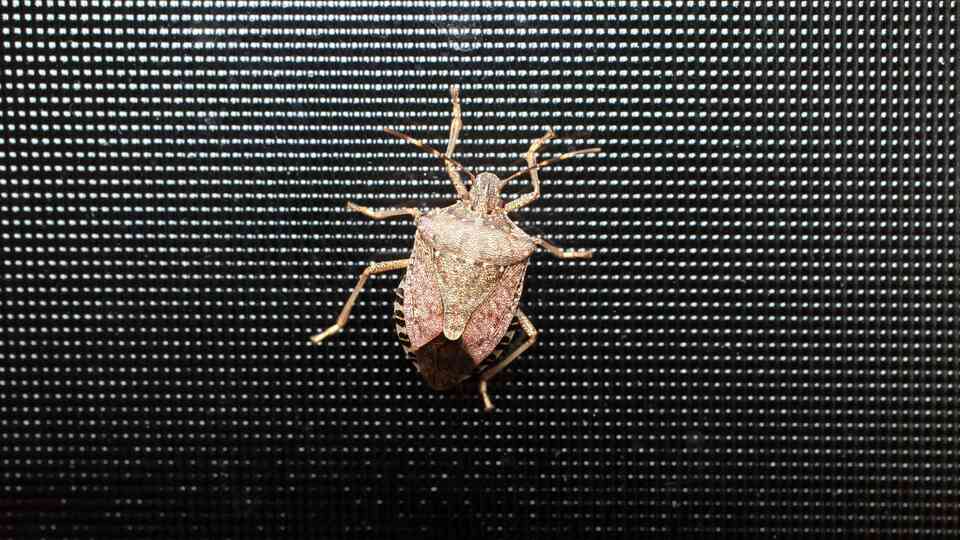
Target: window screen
764,344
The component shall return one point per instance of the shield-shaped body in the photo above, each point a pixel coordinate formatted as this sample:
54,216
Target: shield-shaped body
456,305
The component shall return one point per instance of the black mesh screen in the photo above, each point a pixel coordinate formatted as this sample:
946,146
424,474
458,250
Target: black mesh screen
765,343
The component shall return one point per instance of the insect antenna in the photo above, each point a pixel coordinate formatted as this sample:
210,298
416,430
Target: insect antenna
430,150
551,161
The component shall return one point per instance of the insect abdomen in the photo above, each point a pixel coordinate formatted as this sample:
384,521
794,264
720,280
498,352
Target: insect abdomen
443,363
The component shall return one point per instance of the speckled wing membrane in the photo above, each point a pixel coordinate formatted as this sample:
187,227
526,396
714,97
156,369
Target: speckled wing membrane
422,307
490,321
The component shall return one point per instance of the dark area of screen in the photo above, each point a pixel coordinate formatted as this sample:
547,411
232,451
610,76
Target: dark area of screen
765,343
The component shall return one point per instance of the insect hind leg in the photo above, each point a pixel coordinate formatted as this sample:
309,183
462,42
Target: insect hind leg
532,333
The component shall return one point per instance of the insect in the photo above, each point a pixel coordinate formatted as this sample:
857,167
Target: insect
457,307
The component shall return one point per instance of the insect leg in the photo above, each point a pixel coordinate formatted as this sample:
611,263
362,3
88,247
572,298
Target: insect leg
532,334
384,214
375,268
528,198
487,404
455,124
563,254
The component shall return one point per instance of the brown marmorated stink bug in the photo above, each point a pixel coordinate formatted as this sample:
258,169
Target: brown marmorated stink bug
456,309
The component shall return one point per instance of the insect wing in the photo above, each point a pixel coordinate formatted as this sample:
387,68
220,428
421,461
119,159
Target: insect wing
490,321
464,286
422,306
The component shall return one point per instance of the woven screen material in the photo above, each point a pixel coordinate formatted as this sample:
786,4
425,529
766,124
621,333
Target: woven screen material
765,343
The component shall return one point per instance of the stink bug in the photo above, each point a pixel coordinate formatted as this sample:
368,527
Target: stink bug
456,309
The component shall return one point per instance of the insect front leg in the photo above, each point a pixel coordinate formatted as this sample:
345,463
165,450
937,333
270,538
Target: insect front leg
560,253
456,122
375,268
524,200
384,214
532,333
